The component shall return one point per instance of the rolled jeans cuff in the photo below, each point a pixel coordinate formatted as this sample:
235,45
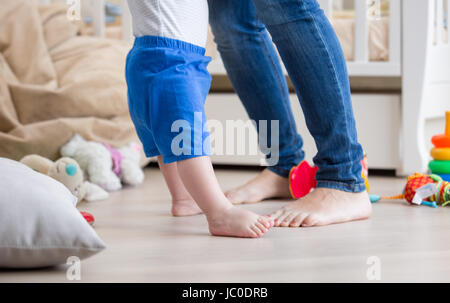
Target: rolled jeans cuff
347,187
279,171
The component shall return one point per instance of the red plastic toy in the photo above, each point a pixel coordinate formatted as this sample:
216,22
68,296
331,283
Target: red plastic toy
302,178
88,217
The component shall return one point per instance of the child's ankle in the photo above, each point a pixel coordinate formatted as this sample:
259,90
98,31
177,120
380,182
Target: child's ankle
176,198
218,211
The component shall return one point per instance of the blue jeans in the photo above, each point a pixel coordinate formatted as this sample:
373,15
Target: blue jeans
316,65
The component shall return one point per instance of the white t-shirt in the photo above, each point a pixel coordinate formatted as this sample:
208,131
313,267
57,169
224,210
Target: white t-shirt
185,20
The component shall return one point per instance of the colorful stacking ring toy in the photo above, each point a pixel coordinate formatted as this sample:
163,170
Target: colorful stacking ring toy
440,153
443,140
439,167
445,177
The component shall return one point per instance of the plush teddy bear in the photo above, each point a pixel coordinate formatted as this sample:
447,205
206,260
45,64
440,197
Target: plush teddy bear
104,165
68,172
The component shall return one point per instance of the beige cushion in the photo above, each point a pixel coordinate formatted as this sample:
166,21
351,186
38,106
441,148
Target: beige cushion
55,83
39,225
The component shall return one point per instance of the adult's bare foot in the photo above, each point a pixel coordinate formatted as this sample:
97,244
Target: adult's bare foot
264,186
324,206
183,208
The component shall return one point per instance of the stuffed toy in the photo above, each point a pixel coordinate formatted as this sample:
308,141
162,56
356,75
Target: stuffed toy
104,165
429,190
68,172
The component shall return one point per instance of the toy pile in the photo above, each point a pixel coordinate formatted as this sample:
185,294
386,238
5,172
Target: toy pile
91,169
440,165
428,190
434,189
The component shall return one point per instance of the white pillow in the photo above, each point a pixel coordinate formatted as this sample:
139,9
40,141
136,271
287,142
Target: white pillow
39,225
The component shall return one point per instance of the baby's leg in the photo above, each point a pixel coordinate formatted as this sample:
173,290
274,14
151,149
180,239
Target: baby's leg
168,83
224,219
182,202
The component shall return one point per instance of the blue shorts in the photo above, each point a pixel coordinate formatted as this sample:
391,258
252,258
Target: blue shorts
167,87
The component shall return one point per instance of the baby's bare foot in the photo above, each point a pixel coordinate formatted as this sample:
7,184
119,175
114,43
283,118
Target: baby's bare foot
187,207
324,206
264,186
237,222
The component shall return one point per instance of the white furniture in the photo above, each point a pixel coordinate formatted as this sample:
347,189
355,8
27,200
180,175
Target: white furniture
390,126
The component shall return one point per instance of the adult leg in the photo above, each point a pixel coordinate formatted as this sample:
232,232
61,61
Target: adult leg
254,69
313,57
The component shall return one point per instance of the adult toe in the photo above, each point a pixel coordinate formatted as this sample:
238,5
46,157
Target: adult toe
298,220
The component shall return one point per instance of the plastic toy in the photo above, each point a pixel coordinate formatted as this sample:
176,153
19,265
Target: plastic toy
439,167
88,217
365,171
440,153
445,177
302,178
443,140
429,190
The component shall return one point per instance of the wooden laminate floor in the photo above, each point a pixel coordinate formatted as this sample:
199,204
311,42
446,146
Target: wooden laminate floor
146,244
